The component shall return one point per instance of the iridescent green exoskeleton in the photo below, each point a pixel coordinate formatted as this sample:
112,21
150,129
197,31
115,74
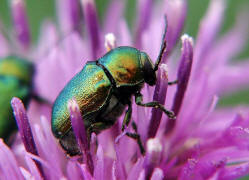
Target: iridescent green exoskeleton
15,81
103,89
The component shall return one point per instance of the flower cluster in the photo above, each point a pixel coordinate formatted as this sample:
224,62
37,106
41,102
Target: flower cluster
203,142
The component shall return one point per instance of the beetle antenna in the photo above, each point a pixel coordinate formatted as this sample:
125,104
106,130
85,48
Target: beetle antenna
163,46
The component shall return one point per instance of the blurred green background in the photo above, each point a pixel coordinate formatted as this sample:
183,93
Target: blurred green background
42,9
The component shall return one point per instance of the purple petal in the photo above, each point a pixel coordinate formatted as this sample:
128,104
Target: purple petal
120,172
189,116
229,45
208,168
167,166
153,156
25,129
48,147
136,169
44,163
73,170
234,172
80,132
142,175
212,162
144,15
113,16
236,79
160,96
23,125
155,41
99,167
232,135
110,41
48,38
182,78
183,71
4,46
92,25
32,168
20,22
188,171
26,174
86,174
205,118
143,123
93,144
69,15
157,174
124,34
209,29
8,164
64,60
176,11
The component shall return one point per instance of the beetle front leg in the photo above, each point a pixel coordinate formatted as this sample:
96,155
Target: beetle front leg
154,104
127,117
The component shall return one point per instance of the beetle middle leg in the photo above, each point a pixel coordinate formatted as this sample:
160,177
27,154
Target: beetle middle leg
155,104
98,127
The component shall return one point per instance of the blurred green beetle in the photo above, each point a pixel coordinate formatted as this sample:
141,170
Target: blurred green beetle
16,75
102,89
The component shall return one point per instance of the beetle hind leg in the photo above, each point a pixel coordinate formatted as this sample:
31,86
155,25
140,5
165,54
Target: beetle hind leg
69,143
137,137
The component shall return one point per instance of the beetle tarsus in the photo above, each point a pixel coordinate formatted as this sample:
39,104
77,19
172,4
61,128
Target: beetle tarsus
172,82
136,136
170,114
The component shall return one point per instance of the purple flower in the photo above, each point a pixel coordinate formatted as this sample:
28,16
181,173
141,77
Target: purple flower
203,142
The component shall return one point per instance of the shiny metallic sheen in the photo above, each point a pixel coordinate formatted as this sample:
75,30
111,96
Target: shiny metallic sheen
15,81
18,68
90,88
124,65
102,90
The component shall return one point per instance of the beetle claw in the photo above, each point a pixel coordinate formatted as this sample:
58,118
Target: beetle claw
171,115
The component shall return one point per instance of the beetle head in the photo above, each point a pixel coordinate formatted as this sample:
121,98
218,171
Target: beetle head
148,69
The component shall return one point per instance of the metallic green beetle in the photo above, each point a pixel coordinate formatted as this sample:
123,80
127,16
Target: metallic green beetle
103,89
15,80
